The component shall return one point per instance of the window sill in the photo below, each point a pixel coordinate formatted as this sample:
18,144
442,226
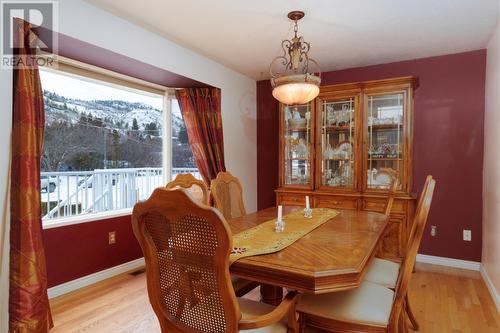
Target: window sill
66,221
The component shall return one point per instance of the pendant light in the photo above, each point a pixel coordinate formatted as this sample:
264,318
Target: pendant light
296,83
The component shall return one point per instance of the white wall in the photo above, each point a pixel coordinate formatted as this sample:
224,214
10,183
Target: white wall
83,21
491,173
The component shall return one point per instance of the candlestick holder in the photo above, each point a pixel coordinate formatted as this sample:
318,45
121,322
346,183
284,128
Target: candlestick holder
279,226
308,213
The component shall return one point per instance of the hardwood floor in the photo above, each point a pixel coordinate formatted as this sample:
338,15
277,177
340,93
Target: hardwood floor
445,300
452,300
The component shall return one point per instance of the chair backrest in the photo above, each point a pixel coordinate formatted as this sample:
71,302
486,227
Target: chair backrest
428,180
186,247
390,196
228,195
196,187
420,220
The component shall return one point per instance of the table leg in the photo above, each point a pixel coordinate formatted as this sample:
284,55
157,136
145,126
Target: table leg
271,294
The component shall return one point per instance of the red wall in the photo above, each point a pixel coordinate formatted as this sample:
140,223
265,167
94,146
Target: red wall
448,142
81,249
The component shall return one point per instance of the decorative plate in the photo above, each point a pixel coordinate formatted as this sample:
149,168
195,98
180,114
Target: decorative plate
345,146
383,178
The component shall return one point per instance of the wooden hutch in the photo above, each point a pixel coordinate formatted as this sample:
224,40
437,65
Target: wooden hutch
344,148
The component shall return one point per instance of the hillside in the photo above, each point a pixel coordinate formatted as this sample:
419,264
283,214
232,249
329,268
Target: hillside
89,135
114,114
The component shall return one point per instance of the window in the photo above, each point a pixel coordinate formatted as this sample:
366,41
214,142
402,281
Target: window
105,144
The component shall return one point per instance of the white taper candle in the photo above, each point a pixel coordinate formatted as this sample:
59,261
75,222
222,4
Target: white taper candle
280,213
307,202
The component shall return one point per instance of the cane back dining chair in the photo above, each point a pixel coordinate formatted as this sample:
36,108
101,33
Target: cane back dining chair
228,195
371,307
196,187
385,272
186,247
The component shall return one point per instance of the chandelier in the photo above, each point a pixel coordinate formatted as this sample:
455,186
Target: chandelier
292,77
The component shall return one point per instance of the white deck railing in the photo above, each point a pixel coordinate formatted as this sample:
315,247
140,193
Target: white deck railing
81,192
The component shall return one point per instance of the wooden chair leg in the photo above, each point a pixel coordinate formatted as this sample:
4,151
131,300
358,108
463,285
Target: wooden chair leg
411,316
402,327
293,322
302,323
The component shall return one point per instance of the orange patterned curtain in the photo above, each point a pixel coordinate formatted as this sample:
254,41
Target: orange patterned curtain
201,112
29,310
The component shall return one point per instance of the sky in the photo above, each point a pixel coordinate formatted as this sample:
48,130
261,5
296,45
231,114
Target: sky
86,89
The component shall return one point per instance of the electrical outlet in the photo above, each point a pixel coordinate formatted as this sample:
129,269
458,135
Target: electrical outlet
433,230
467,235
112,237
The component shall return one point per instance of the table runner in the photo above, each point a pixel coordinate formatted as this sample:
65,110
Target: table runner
262,239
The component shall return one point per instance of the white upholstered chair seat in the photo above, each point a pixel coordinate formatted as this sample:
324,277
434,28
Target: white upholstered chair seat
368,304
254,308
383,272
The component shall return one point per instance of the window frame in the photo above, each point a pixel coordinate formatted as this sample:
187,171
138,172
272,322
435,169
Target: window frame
97,74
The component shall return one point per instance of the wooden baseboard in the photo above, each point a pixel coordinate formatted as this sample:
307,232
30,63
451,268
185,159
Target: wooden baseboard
94,278
450,262
491,287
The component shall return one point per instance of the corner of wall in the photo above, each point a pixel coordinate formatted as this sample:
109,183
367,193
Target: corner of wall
491,168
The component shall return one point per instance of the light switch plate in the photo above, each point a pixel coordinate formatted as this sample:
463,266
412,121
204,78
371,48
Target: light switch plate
467,235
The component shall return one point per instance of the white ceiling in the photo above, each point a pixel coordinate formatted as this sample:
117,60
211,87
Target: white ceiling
246,35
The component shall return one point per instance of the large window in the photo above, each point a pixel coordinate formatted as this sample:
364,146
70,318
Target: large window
106,145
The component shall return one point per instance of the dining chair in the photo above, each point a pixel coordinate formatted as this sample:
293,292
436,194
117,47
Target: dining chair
390,197
370,307
385,272
196,187
228,195
186,247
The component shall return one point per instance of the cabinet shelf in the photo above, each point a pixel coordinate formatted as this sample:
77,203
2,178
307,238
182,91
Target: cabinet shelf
385,126
297,159
384,159
338,128
336,159
297,129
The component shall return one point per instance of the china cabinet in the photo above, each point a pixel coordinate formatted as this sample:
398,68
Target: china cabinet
346,147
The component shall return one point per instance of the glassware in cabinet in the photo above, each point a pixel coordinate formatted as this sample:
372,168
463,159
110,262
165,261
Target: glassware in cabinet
385,141
338,143
297,136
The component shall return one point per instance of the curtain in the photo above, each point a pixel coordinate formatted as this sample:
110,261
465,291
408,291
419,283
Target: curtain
201,111
28,302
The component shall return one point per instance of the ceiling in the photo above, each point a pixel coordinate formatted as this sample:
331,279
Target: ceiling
246,35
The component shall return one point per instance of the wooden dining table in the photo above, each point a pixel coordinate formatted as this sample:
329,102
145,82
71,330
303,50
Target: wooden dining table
330,258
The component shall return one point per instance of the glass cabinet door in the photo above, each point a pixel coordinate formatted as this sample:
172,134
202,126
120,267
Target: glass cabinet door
338,144
385,148
297,138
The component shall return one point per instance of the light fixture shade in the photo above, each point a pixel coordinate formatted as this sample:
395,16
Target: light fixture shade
296,89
